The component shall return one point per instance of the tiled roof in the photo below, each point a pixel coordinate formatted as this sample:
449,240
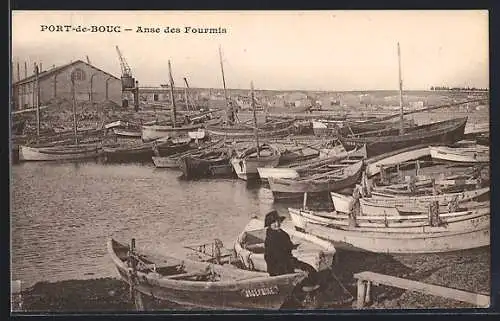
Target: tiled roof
50,72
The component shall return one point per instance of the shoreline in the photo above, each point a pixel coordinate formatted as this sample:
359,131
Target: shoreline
465,270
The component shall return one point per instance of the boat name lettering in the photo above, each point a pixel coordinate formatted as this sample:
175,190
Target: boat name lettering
476,221
252,293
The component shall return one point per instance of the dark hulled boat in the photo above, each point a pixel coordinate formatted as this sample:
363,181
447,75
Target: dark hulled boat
444,132
211,163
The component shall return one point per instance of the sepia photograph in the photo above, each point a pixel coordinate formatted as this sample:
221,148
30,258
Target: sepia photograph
174,161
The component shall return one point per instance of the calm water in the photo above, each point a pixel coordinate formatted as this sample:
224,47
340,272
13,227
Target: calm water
63,213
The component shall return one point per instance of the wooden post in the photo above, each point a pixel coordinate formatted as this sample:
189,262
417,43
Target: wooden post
361,294
383,176
139,304
174,112
417,166
368,292
304,204
16,296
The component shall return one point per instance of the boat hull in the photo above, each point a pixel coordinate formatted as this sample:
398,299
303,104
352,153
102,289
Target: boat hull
277,172
150,133
460,235
342,203
289,188
396,205
127,133
195,167
71,152
395,157
458,155
312,250
165,162
249,292
447,132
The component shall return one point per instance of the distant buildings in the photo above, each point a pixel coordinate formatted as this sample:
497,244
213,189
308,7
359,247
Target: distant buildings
91,83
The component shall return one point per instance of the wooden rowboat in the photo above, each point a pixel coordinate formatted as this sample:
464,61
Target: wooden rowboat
200,284
210,163
312,250
270,129
377,205
55,153
475,154
172,161
347,174
374,164
295,170
246,163
400,234
153,132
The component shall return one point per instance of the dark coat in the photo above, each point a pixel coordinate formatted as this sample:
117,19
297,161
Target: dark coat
278,252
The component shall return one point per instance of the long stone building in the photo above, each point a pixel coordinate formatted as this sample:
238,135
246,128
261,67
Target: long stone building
91,84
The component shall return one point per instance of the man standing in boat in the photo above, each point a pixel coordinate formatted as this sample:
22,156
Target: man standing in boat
278,250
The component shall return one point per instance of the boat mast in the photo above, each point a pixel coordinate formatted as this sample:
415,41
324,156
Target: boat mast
229,112
256,129
37,81
401,125
174,112
75,129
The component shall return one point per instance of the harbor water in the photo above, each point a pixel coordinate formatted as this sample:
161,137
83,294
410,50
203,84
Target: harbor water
63,213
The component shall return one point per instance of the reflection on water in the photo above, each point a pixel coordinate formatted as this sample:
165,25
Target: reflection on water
63,213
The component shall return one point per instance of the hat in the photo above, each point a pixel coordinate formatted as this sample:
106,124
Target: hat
272,217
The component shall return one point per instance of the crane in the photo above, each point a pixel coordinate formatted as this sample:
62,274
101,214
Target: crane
126,72
128,82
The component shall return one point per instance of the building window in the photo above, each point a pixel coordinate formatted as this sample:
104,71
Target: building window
78,74
155,97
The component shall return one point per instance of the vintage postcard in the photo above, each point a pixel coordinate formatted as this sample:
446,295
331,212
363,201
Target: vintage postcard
249,160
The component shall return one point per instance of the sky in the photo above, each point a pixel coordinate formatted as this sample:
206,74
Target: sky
282,50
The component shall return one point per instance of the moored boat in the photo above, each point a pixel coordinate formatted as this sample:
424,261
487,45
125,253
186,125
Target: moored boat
130,152
246,163
200,284
153,132
341,175
127,132
206,164
312,250
168,146
444,132
295,170
474,154
396,205
374,164
400,234
271,129
172,161
342,203
63,152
